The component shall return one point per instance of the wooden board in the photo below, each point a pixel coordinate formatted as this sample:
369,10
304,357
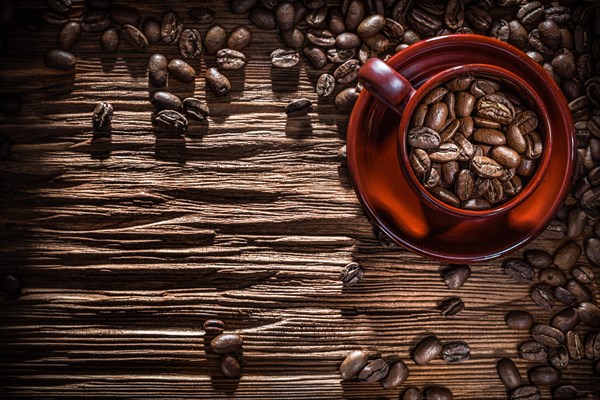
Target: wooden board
126,243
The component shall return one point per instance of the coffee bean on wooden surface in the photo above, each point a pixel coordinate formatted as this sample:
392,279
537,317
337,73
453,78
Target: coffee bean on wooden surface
456,352
284,15
241,6
592,345
181,70
397,374
582,273
166,101
11,285
102,116
518,270
547,335
202,15
565,320
294,38
508,373
575,345
134,38
226,343
437,393
456,275
217,82
214,327
60,59
353,364
538,258
344,101
543,375
298,107
190,43
171,121
525,392
239,38
95,21
171,28
284,58
315,55
566,256
262,18
158,70
69,35
109,41
325,85
215,39
426,350
351,274
411,393
592,250
543,295
580,292
564,392
589,314
151,28
229,59
196,108
374,371
519,320
451,306
558,357
230,366
533,351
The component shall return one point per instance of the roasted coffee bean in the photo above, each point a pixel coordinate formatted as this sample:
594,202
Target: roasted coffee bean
229,59
371,25
525,392
592,251
124,15
423,138
456,352
530,13
444,153
316,56
582,273
397,375
217,82
565,320
564,64
60,59
151,28
538,258
412,393
321,37
102,116
347,40
575,346
445,195
517,34
325,85
552,276
353,364
454,14
95,21
564,296
589,314
171,28
547,335
347,72
284,15
374,371
263,18
190,43
241,6
69,35
335,20
109,41
478,18
564,392
426,350
226,342
451,306
508,373
543,375
166,101
419,161
489,136
520,320
437,393
316,17
181,70
171,121
340,56
215,38
592,345
134,38
344,101
543,296
352,273
195,108
157,70
566,256
558,357
423,22
202,15
533,351
239,38
500,30
482,87
576,222
230,366
456,275
293,38
355,14
284,58
214,327
60,6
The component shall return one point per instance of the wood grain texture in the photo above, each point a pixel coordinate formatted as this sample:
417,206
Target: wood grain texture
127,242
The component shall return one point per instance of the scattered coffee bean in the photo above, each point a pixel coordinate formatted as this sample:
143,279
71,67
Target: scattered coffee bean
558,357
284,58
11,285
217,82
564,392
102,116
69,35
582,273
202,15
547,335
592,345
230,366
344,101
215,39
412,393
226,343
451,306
565,320
397,375
171,121
353,364
134,38
171,28
580,292
109,41
181,70
426,350
325,85
437,393
533,351
552,276
214,327
95,21
519,270
196,109
525,392
351,274
456,352
592,251
543,295
519,320
190,43
157,70
166,101
589,314
574,345
543,375
456,275
151,28
564,296
229,59
298,108
374,371
263,18
239,38
566,256
60,59
508,373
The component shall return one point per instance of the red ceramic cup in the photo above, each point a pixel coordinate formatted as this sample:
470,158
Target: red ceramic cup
397,93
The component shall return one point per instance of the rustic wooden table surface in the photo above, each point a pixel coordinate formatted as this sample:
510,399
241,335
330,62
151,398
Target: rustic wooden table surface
127,243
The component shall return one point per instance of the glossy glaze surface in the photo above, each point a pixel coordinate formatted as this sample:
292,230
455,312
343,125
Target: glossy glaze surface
393,203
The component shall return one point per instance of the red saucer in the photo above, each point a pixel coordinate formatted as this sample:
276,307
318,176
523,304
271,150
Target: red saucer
390,201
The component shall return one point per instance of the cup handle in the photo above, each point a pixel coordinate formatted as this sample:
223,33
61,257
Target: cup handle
386,84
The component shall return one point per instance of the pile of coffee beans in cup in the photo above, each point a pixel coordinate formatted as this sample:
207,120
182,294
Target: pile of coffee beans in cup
474,143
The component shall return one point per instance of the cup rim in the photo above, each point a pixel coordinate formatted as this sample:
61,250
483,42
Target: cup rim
494,72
